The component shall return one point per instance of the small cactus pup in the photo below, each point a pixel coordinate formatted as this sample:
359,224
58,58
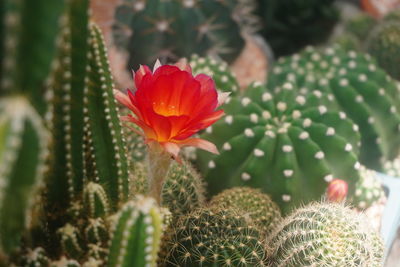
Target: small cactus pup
369,189
176,29
23,141
208,237
136,234
170,105
337,190
289,145
218,70
325,234
259,207
392,168
358,87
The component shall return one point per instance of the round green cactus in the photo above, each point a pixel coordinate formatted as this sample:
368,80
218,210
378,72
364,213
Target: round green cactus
392,168
358,87
325,235
290,145
169,30
259,207
218,70
384,44
208,237
368,189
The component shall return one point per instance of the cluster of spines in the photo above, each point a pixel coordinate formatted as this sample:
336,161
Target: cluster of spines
23,141
259,207
136,234
357,86
323,234
368,189
218,70
265,128
209,237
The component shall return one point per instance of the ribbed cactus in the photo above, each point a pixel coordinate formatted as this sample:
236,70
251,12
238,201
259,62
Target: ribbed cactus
290,25
383,44
325,235
214,238
259,207
368,189
290,145
27,37
358,87
218,70
136,234
183,189
169,30
23,141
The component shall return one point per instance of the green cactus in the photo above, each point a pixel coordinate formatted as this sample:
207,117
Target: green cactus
96,231
183,189
362,90
71,240
169,30
29,37
136,234
218,70
368,189
288,26
360,25
36,257
65,262
23,141
209,237
95,200
289,145
259,207
392,168
323,234
383,44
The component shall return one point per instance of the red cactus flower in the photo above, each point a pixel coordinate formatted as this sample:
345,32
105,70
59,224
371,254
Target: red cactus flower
337,190
170,105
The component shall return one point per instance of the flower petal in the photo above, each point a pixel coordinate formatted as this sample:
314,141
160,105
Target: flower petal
140,73
183,64
222,96
200,143
173,149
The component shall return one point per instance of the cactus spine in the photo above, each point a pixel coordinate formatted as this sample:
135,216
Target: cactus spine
323,234
23,141
136,235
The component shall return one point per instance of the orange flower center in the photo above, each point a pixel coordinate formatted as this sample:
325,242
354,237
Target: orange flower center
166,109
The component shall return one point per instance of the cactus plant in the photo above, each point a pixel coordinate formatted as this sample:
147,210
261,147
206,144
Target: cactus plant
29,37
359,88
291,25
214,238
368,189
263,212
23,141
323,234
392,168
136,234
272,140
169,30
218,70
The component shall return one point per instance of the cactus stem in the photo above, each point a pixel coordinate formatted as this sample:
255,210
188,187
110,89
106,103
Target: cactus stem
158,163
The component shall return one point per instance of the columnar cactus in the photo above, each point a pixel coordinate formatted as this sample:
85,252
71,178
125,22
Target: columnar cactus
289,145
214,238
176,29
358,87
136,234
27,37
325,235
23,141
368,189
259,207
290,25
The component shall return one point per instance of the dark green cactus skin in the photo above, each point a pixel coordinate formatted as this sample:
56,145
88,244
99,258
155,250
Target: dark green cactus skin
290,25
383,44
169,30
209,237
136,234
361,89
289,145
23,141
325,235
218,70
263,212
28,47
